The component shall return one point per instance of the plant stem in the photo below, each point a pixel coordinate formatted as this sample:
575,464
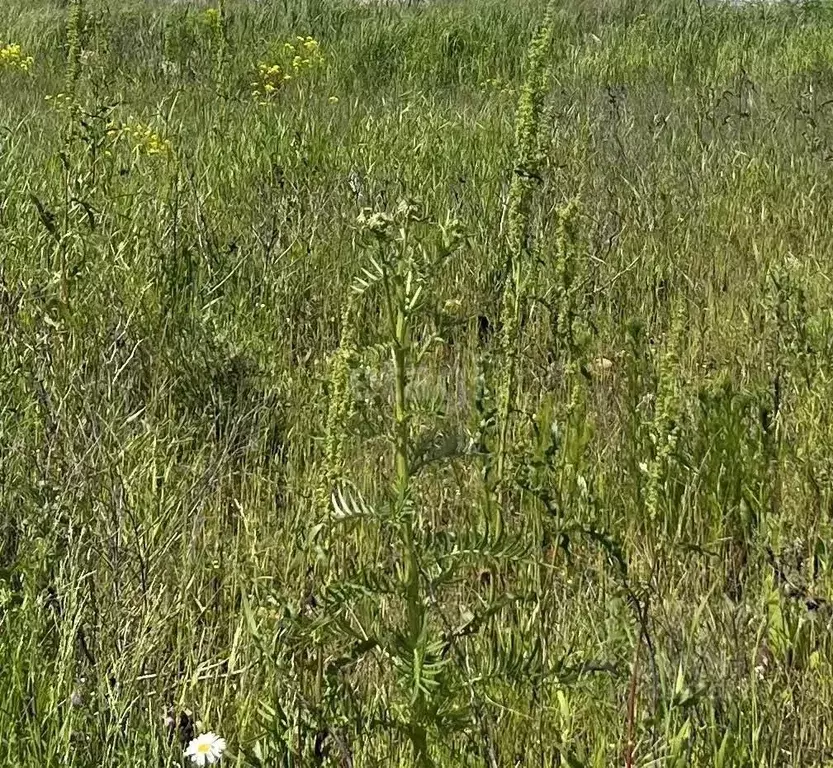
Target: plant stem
396,304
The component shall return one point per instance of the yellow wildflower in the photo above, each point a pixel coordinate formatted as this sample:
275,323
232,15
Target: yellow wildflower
292,60
13,57
147,141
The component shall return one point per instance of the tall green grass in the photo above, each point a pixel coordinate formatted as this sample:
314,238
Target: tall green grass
464,401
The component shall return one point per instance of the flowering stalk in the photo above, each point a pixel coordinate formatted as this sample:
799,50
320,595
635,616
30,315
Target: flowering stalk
339,410
221,38
665,427
527,158
73,44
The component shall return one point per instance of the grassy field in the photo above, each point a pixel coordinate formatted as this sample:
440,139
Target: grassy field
433,386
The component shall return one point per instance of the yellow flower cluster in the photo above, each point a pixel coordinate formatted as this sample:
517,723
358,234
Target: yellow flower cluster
147,141
272,77
307,53
295,57
12,57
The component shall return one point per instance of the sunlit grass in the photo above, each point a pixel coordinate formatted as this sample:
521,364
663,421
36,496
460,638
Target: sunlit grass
422,407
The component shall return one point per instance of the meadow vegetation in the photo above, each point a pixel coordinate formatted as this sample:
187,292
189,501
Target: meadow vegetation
445,385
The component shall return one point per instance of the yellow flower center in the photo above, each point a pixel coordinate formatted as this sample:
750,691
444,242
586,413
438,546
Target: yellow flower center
204,748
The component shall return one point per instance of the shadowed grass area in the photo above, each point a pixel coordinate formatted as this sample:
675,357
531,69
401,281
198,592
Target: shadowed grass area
388,386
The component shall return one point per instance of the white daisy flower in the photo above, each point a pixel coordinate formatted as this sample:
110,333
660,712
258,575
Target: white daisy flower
206,749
